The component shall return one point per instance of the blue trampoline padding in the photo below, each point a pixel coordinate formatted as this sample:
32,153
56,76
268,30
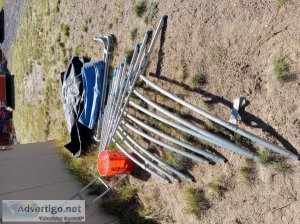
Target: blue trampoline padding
92,75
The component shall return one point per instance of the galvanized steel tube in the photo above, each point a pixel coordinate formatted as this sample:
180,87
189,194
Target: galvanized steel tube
129,75
155,158
143,166
117,121
108,109
147,161
141,67
159,133
179,127
224,123
207,136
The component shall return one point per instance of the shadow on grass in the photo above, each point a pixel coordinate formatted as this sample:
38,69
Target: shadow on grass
128,209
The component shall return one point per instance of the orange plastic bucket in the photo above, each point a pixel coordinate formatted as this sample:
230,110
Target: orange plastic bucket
111,163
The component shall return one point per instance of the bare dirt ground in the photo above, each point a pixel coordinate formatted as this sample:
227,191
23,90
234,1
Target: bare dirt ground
234,45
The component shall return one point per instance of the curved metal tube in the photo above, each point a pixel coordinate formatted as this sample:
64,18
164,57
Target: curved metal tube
140,68
143,166
179,127
205,135
155,158
224,123
147,161
172,148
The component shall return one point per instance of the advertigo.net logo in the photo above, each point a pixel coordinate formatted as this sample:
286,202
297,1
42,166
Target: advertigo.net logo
43,210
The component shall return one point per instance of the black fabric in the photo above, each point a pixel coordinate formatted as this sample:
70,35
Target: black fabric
72,89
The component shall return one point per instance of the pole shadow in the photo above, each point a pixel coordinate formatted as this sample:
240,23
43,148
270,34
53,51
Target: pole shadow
161,52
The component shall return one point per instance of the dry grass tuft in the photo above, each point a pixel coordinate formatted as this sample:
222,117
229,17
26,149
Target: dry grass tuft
197,80
280,70
139,8
247,172
195,200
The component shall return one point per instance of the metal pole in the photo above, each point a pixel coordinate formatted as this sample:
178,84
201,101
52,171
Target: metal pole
130,91
105,192
105,116
224,123
141,68
143,166
207,136
155,158
106,40
129,74
183,144
179,127
172,148
118,94
108,108
147,161
112,106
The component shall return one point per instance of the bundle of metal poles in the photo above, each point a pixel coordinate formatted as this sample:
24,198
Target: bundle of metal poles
107,43
117,121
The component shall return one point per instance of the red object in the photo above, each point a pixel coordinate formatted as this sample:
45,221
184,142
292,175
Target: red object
5,115
4,139
111,163
3,91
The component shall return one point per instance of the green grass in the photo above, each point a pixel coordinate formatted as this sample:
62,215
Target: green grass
133,34
30,43
56,7
112,146
182,75
242,141
208,106
281,167
85,26
139,8
280,4
84,168
280,70
209,126
197,80
76,51
216,55
215,188
115,19
1,4
181,69
151,12
195,200
265,157
65,29
128,56
246,173
126,205
179,162
126,191
182,163
48,11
